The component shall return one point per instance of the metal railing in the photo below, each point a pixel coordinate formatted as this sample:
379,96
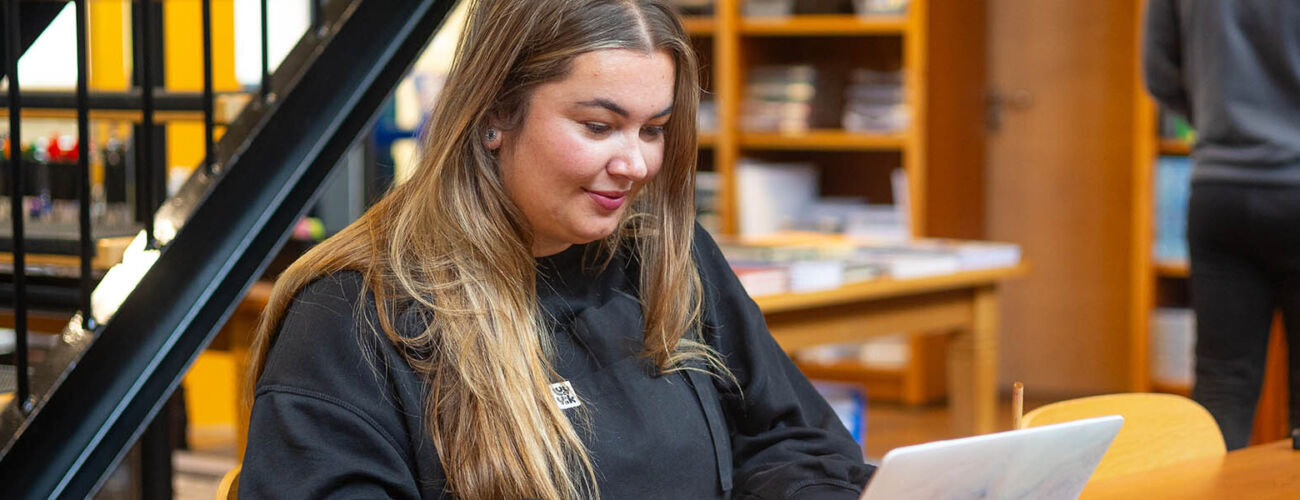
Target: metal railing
142,325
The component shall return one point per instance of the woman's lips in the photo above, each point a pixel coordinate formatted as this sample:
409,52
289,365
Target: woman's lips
608,200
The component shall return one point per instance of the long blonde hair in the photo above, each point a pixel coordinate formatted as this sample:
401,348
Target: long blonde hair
449,241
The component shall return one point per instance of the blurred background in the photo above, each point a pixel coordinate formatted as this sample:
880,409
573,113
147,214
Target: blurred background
931,199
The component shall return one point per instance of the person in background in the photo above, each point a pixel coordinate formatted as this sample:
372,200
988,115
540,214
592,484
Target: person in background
1233,69
535,314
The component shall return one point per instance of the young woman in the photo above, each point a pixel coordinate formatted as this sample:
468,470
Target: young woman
534,313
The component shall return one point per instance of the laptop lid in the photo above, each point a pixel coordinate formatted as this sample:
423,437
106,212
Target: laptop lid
1052,461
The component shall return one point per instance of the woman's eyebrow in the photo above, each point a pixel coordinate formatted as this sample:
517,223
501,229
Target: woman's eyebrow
618,110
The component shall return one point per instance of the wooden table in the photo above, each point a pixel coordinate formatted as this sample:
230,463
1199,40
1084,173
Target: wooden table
1259,472
964,304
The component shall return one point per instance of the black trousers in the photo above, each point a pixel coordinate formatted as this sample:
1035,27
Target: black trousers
1245,263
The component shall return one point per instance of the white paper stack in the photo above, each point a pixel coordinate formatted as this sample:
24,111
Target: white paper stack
813,275
1173,342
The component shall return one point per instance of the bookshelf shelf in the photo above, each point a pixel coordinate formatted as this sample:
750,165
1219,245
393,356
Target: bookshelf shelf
699,25
1172,269
1174,147
824,140
707,139
825,25
1179,389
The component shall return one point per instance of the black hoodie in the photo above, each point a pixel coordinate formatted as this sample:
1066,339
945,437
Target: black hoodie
339,413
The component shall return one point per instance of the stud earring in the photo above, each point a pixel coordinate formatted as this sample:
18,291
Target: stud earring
491,135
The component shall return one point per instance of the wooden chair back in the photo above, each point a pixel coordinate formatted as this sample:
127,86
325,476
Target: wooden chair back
229,484
1159,429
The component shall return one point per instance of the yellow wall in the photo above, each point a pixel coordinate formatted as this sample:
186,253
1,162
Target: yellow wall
183,63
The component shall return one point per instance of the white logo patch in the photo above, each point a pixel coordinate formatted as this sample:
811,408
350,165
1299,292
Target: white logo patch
564,395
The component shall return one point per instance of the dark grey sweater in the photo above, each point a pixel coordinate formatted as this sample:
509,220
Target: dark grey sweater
1232,67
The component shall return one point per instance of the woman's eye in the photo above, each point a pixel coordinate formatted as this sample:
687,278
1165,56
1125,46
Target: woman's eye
652,132
597,128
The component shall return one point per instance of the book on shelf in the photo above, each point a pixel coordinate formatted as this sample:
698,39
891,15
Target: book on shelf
706,200
779,98
816,274
1173,340
771,196
786,8
974,255
762,279
930,256
875,101
1173,190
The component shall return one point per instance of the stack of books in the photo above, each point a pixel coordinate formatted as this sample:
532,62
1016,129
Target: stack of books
706,200
807,261
767,8
868,8
875,101
779,98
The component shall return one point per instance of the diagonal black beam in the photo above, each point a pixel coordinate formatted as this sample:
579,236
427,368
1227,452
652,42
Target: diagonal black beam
83,428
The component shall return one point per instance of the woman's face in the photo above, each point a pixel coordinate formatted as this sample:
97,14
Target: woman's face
587,145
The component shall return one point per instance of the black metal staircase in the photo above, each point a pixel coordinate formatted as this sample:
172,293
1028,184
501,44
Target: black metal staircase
96,391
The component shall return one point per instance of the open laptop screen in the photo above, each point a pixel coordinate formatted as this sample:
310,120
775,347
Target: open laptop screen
1052,461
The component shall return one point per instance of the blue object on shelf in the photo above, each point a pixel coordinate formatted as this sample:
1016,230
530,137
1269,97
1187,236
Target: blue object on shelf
849,402
1173,189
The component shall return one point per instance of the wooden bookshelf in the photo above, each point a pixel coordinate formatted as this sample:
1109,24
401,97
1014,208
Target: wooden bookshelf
1179,389
707,139
824,140
944,38
825,25
699,25
1172,269
1173,147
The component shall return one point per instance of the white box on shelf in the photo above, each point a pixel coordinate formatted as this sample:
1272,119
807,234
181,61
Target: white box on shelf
1173,343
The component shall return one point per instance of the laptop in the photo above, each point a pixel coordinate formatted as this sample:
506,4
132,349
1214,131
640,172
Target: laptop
1048,462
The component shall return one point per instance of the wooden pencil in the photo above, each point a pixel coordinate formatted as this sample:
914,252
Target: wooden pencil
1017,404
